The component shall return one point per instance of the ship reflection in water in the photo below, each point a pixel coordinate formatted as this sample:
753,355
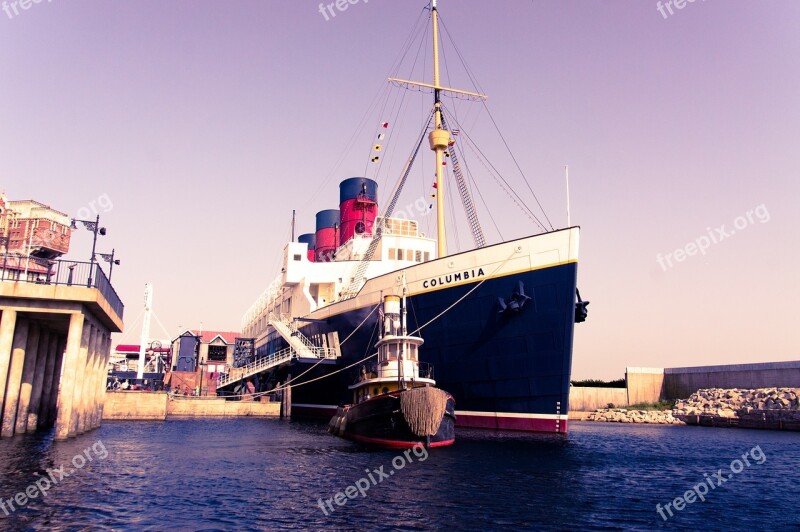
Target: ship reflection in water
267,474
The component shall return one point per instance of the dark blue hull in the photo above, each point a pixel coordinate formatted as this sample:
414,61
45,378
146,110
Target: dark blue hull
506,370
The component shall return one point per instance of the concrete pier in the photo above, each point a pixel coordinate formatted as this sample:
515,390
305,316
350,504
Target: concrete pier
55,341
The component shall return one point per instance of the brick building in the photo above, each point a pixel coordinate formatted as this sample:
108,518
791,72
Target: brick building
31,235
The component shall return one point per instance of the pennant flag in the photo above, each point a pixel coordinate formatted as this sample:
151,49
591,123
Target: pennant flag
385,125
455,132
435,185
451,142
377,147
444,163
433,195
375,159
447,154
381,136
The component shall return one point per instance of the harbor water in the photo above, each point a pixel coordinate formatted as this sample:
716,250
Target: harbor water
265,474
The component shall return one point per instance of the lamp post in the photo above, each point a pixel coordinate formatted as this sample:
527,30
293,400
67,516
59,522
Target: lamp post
4,243
110,258
94,227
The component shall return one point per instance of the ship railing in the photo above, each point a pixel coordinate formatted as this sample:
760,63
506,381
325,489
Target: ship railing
426,370
363,371
291,326
270,361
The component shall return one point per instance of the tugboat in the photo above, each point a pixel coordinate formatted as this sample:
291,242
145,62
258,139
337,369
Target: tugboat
396,403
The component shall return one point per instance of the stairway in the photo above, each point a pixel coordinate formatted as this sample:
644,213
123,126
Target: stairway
299,347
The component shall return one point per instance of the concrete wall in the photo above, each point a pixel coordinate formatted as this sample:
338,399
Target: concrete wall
135,405
680,383
221,408
591,398
157,405
645,385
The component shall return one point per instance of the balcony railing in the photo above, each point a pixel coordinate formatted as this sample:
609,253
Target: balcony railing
23,269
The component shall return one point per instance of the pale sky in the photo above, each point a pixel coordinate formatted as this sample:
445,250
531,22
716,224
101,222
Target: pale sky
205,123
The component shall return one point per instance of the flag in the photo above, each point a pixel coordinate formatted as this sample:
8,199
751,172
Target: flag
444,163
377,147
381,136
385,125
375,159
455,132
435,185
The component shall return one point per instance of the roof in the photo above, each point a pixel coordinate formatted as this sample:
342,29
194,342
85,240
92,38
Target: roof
134,348
206,337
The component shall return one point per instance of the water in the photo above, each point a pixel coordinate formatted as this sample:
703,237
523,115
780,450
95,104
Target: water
262,474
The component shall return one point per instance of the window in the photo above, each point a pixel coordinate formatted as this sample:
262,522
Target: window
409,255
297,257
218,353
427,256
392,253
418,256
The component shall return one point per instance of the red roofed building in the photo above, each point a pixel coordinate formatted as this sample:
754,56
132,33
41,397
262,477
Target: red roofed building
199,357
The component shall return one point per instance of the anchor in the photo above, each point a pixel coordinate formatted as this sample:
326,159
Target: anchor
515,302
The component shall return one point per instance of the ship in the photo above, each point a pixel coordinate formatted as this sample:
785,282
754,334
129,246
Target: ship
498,319
396,403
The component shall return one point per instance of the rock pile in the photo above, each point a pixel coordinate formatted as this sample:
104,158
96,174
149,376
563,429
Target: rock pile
768,404
623,415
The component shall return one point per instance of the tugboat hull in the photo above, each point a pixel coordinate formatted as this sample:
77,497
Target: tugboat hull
381,421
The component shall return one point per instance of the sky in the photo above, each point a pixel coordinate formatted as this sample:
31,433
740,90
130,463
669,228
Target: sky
193,128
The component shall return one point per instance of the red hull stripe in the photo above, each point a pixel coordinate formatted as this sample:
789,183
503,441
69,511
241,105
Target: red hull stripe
395,444
476,420
500,422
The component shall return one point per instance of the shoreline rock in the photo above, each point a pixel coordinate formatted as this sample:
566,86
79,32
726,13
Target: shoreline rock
624,415
777,408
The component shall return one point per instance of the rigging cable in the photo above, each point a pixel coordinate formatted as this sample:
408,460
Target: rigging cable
495,173
486,107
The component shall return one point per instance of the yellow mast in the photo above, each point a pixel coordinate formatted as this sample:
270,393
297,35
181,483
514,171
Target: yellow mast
438,138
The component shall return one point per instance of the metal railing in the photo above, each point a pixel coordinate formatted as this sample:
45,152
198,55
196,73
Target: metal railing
19,268
268,362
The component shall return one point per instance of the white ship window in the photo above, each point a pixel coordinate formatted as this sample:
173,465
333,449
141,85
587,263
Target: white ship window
412,352
392,253
409,254
418,256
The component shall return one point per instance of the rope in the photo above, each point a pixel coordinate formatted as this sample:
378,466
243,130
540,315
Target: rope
423,409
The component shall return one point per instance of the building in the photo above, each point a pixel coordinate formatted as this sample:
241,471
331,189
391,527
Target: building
198,357
32,235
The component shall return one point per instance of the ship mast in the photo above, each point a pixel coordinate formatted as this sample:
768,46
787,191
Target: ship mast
438,138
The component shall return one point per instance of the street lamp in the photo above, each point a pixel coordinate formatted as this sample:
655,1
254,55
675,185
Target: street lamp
110,258
94,227
4,243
